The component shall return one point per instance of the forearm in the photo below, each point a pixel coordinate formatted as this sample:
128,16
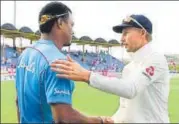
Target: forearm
74,116
121,87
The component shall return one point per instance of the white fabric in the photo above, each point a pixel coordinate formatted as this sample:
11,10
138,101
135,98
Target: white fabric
143,94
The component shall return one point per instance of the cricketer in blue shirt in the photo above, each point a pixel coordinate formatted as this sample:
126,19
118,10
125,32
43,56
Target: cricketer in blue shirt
37,85
42,97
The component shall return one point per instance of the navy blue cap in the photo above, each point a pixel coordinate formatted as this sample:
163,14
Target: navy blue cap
138,21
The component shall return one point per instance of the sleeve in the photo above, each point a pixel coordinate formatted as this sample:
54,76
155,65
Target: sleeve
128,87
58,90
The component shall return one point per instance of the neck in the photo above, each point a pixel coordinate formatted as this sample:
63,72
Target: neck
51,37
145,42
142,44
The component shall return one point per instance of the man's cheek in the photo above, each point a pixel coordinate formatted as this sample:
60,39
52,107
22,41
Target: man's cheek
71,30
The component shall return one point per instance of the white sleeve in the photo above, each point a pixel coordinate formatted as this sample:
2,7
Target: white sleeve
128,87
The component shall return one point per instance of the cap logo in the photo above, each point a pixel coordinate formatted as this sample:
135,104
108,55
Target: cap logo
45,18
127,19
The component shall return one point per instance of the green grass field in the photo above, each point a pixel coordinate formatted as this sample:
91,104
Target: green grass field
87,100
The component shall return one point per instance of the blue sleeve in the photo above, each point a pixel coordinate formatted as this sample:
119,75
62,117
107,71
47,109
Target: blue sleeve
57,90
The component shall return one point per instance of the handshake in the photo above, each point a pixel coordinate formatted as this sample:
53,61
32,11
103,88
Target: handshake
106,120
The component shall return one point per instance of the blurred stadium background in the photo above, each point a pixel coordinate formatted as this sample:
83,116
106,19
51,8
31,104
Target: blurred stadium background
98,58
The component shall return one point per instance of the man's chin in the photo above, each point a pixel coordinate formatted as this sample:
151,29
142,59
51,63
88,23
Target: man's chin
67,43
128,50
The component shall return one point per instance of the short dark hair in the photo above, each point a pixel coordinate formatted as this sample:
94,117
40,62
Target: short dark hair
52,8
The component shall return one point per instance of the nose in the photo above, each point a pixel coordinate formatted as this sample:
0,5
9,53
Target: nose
122,40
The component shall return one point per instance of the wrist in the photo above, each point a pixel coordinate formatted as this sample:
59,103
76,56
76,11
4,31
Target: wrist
86,76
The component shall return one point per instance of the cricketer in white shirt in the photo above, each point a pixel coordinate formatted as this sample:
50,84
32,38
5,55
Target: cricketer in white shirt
144,85
144,88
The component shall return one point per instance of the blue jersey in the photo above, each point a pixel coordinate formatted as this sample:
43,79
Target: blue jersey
37,85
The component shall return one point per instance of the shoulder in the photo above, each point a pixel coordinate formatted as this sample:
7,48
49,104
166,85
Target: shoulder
49,51
157,59
157,62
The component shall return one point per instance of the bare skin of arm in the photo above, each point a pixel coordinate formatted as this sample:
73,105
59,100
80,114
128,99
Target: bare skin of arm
64,113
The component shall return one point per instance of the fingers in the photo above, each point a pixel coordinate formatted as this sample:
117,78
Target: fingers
67,73
63,76
56,67
108,120
62,71
65,62
67,77
69,58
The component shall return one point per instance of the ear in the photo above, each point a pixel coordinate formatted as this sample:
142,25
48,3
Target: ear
59,24
143,32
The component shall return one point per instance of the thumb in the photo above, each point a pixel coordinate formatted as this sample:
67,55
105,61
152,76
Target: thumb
69,58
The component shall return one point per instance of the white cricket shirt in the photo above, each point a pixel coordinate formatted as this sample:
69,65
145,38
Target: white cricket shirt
143,88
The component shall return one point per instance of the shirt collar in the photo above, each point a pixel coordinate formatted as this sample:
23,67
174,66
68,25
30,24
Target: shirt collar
45,41
142,52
